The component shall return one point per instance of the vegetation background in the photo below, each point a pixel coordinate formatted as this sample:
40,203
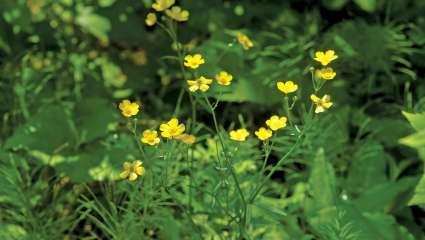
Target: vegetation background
357,173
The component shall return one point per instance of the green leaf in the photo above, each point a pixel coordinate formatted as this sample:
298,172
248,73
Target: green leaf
369,161
417,140
48,131
416,119
93,116
12,232
384,196
419,194
322,182
367,5
252,91
94,24
106,3
334,4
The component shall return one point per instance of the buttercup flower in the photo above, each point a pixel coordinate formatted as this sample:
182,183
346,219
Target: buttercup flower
224,78
325,57
150,19
128,109
263,133
326,73
287,87
172,129
186,138
193,61
132,170
321,103
239,135
275,122
161,5
177,14
244,40
150,137
201,83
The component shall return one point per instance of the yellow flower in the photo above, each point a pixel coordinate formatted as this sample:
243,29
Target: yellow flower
325,57
178,14
287,87
276,122
128,108
201,83
263,133
132,170
244,40
224,78
161,5
239,135
186,138
321,103
326,73
150,19
172,129
193,61
150,137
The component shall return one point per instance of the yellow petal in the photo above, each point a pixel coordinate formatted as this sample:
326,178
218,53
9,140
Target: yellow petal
314,98
319,109
124,174
132,177
140,171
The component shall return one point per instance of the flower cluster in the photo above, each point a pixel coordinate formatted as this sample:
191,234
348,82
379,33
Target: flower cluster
202,83
287,87
325,58
274,123
172,129
128,108
326,73
244,40
176,13
132,170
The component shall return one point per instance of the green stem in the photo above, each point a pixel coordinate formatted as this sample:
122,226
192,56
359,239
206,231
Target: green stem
274,169
287,109
227,160
134,132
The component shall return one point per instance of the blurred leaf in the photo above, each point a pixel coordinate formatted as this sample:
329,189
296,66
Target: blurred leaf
95,24
367,5
49,130
252,91
106,3
369,161
334,4
419,194
417,120
92,117
12,232
322,182
383,197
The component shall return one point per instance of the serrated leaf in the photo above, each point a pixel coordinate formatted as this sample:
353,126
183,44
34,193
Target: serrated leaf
322,182
419,194
416,119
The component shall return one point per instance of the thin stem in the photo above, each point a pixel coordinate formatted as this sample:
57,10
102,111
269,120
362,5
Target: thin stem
274,169
228,163
133,130
287,109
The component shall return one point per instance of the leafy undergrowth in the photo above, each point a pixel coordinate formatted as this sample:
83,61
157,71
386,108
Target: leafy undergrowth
212,119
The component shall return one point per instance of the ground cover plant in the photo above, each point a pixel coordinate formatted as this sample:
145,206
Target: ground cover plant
166,119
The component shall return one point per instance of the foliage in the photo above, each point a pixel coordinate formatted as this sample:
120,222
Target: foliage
342,164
